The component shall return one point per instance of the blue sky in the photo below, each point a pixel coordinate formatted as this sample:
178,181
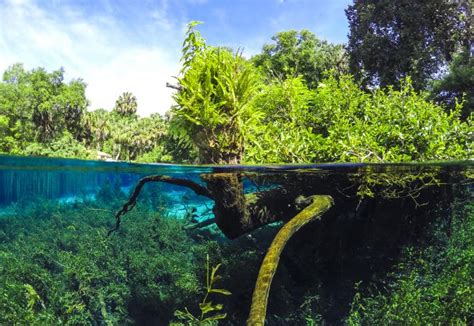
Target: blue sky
118,46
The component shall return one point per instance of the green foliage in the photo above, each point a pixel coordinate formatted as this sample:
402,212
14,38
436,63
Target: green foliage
40,114
300,54
206,306
193,43
127,137
386,125
339,122
54,106
157,154
65,146
390,40
131,139
282,134
433,286
39,107
97,128
213,103
10,135
290,104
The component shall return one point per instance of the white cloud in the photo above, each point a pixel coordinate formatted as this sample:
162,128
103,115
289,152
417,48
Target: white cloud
142,72
96,48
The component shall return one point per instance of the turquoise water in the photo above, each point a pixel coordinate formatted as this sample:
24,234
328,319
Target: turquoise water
58,266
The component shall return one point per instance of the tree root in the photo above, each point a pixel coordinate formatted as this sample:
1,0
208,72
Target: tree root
318,206
132,201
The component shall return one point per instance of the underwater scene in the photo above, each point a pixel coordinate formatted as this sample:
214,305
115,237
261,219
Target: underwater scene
114,243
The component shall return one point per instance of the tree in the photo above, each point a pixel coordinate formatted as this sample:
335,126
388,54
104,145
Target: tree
300,53
15,126
43,104
97,128
213,108
390,40
8,141
73,103
457,85
126,105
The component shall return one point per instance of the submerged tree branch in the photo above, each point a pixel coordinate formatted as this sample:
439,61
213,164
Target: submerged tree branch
132,201
199,225
318,206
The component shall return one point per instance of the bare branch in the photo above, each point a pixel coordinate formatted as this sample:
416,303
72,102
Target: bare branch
177,87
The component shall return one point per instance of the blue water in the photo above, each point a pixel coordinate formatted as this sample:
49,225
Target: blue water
72,177
72,180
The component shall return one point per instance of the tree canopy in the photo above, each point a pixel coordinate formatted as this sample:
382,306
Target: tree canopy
296,53
38,106
126,105
390,40
458,84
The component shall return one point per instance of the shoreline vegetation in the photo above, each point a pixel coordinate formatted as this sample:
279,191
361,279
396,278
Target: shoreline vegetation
301,100
396,248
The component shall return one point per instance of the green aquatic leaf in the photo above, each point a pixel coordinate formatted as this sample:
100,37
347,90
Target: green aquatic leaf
221,291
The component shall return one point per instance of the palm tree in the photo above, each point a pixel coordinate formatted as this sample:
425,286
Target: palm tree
97,125
126,105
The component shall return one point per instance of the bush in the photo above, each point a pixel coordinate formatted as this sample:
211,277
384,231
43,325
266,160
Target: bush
339,122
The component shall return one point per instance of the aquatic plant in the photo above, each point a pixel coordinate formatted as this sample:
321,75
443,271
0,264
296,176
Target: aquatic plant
206,305
152,266
432,285
59,268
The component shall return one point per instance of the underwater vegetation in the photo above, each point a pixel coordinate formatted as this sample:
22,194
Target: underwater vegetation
431,285
376,260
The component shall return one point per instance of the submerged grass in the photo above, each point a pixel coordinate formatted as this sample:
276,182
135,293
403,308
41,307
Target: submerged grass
57,267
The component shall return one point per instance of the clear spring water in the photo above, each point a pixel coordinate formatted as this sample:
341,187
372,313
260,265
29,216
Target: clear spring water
50,207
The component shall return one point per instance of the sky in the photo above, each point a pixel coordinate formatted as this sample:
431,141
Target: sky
117,46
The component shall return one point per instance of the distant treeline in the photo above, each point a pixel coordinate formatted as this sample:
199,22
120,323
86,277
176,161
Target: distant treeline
402,89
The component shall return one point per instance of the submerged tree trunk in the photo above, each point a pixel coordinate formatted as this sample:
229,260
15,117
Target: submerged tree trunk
237,213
